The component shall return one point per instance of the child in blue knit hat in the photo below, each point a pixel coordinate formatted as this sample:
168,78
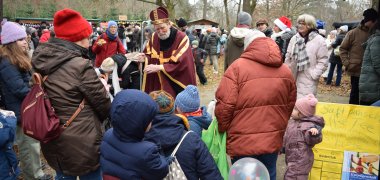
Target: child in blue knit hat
187,103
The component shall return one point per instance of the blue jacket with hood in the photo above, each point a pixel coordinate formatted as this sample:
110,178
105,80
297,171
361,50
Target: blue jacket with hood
198,123
193,155
124,154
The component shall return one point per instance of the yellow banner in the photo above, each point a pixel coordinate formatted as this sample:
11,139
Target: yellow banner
347,128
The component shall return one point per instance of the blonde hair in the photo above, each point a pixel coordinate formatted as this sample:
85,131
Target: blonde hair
309,20
16,55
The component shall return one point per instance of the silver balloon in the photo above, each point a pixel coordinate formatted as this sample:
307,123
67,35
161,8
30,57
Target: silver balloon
248,169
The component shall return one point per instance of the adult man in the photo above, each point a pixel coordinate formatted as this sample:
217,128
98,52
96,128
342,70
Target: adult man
352,51
255,99
169,65
235,42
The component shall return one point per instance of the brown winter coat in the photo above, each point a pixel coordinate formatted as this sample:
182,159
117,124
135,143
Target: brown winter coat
298,143
255,99
71,79
352,51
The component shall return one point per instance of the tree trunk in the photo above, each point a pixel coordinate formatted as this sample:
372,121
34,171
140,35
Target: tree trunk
227,14
267,6
170,7
249,6
238,13
204,9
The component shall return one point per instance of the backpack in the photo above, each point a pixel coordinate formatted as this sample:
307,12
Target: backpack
175,170
38,117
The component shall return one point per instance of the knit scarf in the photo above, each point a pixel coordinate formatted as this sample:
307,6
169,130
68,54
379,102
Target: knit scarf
299,52
111,36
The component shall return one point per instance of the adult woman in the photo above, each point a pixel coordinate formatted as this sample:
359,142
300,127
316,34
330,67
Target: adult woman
307,56
15,69
335,58
107,44
72,81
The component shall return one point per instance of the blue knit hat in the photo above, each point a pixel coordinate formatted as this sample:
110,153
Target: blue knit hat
188,100
111,23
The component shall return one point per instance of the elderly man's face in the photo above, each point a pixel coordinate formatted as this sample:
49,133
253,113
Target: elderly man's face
162,30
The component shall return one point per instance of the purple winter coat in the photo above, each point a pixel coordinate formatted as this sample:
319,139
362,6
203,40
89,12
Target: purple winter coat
298,144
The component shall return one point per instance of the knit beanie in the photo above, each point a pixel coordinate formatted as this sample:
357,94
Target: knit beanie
250,36
164,100
369,15
71,26
108,65
307,105
181,22
195,42
283,23
188,100
344,28
244,18
111,23
320,24
12,32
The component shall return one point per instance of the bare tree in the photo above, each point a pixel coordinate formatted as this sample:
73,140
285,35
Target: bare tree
227,14
204,9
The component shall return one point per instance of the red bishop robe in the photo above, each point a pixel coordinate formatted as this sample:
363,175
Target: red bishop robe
178,65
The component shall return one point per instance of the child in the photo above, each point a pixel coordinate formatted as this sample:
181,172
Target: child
8,160
303,132
188,104
168,129
199,56
124,153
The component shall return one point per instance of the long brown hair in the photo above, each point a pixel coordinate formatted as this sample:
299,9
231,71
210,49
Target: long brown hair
16,55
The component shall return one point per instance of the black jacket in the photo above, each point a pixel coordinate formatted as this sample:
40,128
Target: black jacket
333,58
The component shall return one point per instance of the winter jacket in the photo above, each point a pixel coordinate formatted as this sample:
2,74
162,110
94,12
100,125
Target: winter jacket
338,41
307,80
298,143
268,32
204,43
254,106
352,51
199,54
124,153
212,42
193,155
282,39
369,82
45,36
14,86
130,77
9,169
108,49
235,45
71,79
198,123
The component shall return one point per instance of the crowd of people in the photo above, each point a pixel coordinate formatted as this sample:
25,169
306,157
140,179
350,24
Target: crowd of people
266,100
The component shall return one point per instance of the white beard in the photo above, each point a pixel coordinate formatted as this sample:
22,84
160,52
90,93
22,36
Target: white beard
165,36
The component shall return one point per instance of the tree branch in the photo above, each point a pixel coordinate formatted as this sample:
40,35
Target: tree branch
146,1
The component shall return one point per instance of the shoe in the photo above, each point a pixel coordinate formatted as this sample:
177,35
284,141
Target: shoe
46,177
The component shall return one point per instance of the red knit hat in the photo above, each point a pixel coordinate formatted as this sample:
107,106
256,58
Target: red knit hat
283,22
71,26
307,105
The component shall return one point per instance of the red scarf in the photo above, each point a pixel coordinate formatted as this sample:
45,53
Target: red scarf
195,113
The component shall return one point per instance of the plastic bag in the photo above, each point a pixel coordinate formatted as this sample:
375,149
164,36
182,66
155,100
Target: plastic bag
216,144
